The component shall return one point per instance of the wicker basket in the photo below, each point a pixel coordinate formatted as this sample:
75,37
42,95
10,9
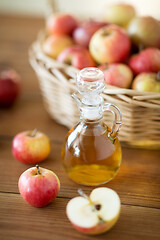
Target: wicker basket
140,110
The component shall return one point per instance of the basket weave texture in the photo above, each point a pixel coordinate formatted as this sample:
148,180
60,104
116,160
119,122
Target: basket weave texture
140,110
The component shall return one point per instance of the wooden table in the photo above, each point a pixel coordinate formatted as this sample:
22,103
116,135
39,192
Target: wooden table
137,183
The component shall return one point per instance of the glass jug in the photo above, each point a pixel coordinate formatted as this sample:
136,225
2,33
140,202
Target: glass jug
91,153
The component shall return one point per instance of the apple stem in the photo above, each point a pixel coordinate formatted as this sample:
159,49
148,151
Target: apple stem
33,134
38,171
80,191
96,206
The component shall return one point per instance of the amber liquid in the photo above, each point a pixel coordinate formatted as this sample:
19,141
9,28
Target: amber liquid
89,156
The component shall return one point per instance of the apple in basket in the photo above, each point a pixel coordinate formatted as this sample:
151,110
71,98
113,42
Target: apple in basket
110,44
94,214
147,60
145,31
83,33
119,13
9,87
77,56
61,23
55,44
38,186
31,146
147,82
117,74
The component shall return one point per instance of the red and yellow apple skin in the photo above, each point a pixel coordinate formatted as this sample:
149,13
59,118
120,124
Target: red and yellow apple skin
10,87
31,149
61,24
117,74
77,56
149,82
39,186
55,44
119,14
84,32
145,31
147,60
110,44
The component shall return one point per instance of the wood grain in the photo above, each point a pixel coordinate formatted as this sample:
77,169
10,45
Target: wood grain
137,183
135,222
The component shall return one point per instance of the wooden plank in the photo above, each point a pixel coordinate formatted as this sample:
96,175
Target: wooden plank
16,36
22,221
137,182
29,113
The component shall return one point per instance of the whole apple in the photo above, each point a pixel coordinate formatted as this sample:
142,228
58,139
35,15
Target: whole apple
95,214
149,82
119,13
145,31
38,186
61,23
117,74
147,60
31,147
55,44
84,32
9,87
77,56
110,44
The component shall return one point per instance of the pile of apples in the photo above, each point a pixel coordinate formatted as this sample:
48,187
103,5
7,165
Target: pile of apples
124,46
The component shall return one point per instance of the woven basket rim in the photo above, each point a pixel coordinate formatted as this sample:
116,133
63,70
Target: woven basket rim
135,97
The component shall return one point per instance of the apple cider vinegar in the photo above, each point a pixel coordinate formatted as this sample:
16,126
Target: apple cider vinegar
89,156
91,153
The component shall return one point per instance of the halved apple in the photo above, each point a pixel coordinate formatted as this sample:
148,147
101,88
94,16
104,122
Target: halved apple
95,214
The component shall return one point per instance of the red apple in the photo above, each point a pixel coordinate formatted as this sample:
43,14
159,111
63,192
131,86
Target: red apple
147,60
110,44
149,82
77,56
145,31
9,87
38,186
95,214
84,32
117,74
31,147
61,23
55,44
119,13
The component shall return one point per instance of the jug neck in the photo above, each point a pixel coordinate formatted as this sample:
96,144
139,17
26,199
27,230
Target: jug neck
91,112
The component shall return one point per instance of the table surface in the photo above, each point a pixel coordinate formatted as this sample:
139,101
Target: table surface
137,183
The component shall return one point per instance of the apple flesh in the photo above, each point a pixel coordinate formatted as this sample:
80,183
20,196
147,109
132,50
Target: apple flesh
9,87
147,60
95,214
61,23
38,186
145,31
84,32
110,44
120,14
55,44
77,56
117,74
31,147
149,82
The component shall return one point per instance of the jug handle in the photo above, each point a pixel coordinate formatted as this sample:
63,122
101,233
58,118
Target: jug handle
117,122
